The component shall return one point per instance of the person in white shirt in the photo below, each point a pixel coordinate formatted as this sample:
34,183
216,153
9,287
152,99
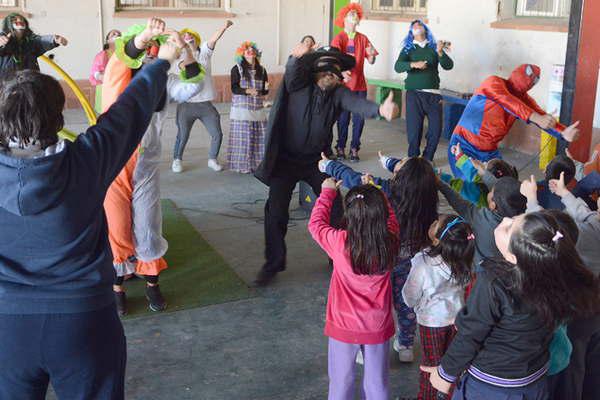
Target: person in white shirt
200,107
435,288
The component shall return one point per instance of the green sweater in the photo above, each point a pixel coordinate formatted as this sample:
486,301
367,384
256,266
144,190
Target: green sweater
428,78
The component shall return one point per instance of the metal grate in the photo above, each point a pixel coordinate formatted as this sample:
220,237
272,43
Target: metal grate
400,6
544,8
9,3
169,4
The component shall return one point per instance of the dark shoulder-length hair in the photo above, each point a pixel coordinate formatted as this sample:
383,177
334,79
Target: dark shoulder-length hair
31,105
550,275
456,247
260,74
372,247
415,200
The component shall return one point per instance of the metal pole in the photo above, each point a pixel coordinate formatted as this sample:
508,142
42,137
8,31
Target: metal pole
568,93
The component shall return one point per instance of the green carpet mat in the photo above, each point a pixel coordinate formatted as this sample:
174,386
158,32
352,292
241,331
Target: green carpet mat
197,275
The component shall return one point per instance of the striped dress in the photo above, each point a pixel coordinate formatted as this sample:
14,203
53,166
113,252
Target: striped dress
248,127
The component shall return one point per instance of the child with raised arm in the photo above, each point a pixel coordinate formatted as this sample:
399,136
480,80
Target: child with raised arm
359,306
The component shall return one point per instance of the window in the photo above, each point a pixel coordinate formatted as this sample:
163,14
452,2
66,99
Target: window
9,4
544,8
418,7
169,4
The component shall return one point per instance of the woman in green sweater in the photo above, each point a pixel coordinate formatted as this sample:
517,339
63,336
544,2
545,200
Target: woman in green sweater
420,57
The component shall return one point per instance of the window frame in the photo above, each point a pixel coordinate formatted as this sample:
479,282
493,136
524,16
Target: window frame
224,6
521,10
396,9
8,9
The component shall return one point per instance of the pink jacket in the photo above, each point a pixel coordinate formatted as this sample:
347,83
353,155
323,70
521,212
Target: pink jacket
359,307
99,65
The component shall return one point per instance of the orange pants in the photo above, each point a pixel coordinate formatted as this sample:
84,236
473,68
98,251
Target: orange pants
118,204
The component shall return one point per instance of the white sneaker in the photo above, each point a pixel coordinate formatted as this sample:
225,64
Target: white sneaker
214,165
360,359
176,166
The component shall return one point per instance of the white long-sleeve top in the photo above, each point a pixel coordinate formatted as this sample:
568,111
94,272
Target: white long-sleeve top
435,297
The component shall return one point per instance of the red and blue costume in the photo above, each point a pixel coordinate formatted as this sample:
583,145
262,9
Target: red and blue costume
492,111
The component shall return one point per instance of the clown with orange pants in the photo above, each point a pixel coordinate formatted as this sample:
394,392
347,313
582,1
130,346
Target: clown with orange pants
132,203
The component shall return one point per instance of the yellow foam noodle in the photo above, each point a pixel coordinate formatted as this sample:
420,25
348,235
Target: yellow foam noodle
87,107
547,149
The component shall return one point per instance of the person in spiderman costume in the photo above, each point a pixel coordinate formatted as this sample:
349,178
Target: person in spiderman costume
492,111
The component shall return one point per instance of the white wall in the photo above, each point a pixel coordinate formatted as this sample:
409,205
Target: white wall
477,49
79,21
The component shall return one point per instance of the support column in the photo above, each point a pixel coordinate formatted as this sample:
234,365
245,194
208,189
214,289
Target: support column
581,72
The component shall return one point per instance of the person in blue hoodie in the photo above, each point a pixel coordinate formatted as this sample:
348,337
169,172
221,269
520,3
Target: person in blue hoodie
58,320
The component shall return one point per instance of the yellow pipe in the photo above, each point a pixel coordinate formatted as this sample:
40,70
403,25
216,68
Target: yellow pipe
87,107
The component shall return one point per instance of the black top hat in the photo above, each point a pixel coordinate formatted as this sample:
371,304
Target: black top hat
328,54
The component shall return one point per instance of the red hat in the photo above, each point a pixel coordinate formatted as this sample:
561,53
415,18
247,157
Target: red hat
524,77
339,21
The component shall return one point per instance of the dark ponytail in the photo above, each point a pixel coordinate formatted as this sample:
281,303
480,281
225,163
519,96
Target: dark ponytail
456,247
372,247
552,277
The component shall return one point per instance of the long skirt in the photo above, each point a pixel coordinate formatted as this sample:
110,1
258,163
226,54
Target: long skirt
246,145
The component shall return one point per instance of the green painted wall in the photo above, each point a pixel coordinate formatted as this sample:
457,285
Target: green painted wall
337,5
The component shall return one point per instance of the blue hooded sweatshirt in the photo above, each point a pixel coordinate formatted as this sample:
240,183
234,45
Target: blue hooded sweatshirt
54,251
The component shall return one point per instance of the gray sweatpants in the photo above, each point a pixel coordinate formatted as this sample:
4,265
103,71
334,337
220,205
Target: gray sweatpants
187,114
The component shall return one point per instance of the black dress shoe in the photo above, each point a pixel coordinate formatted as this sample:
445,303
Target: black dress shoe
265,276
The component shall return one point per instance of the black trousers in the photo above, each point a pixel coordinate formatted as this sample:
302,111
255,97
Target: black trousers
285,177
418,106
580,380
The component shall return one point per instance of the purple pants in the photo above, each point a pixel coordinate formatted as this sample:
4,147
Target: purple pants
342,362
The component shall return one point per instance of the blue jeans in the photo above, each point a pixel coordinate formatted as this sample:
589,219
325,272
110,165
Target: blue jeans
82,355
418,106
358,122
469,388
407,319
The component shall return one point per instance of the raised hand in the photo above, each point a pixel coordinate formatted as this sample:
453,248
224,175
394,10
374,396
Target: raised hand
323,162
571,133
60,40
456,150
154,27
347,75
529,189
389,110
330,183
478,165
4,39
300,49
366,179
558,186
171,50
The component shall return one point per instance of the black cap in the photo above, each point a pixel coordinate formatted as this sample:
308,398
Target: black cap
330,55
508,198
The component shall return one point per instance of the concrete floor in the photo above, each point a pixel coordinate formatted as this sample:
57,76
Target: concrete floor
268,347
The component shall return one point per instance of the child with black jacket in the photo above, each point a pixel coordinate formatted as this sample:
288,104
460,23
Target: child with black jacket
506,327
